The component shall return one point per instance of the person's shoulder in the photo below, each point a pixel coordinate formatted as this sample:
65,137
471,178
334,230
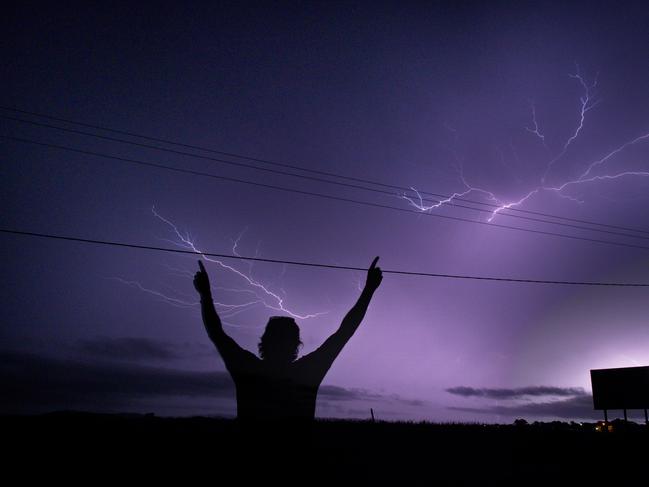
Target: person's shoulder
304,359
308,361
245,358
249,356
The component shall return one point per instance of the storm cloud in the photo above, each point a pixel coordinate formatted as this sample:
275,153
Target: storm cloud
516,393
128,348
32,383
578,407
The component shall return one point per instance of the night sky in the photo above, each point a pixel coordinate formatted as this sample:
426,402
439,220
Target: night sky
449,97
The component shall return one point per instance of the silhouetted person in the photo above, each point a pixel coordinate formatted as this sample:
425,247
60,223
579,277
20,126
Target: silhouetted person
277,386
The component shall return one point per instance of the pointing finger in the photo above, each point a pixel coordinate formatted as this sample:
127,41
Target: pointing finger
376,259
200,264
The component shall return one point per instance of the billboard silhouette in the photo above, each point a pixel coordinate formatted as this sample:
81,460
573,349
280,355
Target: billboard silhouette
622,388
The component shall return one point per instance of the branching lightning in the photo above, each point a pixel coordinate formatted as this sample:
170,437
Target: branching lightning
226,311
269,298
260,293
179,303
535,128
587,102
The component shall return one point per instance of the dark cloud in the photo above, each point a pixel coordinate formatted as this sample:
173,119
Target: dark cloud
578,407
34,383
412,402
516,393
128,348
336,393
140,349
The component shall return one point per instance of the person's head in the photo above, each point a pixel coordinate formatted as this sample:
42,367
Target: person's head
281,340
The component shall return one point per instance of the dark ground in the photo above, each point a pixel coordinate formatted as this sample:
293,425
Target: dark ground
88,448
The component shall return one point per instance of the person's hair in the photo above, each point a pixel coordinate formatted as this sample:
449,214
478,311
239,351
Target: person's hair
281,339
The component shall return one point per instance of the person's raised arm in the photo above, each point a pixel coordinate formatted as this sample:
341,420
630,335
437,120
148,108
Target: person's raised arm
352,320
224,343
355,315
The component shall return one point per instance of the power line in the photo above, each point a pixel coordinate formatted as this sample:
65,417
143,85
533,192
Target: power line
313,171
311,178
319,195
313,264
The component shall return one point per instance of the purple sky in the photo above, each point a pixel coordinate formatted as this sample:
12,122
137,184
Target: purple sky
421,96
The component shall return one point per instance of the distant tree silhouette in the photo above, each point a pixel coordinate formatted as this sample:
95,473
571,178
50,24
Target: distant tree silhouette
276,385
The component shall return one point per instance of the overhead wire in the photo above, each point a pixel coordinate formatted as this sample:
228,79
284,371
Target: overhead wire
68,238
314,171
322,195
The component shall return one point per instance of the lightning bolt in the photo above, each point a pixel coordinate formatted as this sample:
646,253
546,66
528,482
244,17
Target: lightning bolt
179,303
260,293
418,202
587,102
585,175
535,128
269,298
226,311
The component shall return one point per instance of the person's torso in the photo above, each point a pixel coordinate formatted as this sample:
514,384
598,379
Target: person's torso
276,393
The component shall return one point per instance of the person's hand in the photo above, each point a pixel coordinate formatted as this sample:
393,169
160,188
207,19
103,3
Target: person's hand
374,276
202,281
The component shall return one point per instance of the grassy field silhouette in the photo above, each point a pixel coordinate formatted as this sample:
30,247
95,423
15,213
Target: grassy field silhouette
92,446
